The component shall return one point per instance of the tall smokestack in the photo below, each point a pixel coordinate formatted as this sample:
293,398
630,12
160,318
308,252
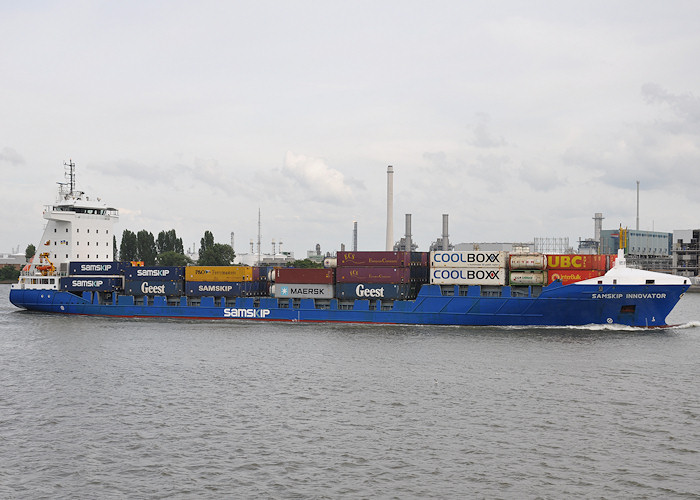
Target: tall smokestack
354,236
598,226
389,208
445,237
637,205
409,242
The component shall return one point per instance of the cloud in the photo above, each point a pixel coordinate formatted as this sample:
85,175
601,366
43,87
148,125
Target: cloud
9,155
318,181
482,137
685,106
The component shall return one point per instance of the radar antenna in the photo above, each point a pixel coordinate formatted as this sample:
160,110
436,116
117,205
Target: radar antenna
68,188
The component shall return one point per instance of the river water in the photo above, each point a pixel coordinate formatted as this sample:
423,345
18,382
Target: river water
117,408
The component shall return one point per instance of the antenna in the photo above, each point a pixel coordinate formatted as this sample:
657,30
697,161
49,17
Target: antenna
259,235
67,188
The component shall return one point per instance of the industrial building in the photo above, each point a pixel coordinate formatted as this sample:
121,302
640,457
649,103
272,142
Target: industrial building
686,249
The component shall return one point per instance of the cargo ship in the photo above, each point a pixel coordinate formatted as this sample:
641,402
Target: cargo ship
74,272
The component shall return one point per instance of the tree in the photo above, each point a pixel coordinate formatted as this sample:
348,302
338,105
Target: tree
173,259
114,247
146,247
217,255
214,254
206,243
8,273
128,250
169,242
30,251
305,263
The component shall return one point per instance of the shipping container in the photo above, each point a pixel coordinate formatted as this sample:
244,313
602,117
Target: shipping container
148,286
379,259
528,277
535,261
610,261
420,274
260,288
374,291
219,273
373,275
218,288
92,284
568,276
467,276
155,273
303,275
420,258
105,268
471,259
302,291
576,261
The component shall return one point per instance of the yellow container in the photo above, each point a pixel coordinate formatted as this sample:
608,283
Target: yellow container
218,273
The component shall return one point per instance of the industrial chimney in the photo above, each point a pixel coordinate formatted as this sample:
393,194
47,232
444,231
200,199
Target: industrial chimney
354,236
598,226
409,242
445,239
637,206
389,208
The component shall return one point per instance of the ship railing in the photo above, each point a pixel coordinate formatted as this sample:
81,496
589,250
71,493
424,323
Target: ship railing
33,274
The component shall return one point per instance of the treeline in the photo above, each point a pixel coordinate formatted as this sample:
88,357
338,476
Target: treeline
167,249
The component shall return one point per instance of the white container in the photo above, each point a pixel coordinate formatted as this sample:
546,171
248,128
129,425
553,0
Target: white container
302,291
471,259
467,276
528,278
528,261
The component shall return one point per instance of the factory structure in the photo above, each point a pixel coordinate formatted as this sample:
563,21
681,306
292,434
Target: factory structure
676,252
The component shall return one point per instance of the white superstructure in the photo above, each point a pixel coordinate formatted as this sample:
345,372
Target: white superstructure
78,228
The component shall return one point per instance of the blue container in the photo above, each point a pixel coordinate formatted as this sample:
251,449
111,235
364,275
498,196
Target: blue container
218,288
91,284
373,291
85,268
155,273
260,288
150,286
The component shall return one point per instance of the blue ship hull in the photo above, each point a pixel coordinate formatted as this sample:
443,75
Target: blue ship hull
556,305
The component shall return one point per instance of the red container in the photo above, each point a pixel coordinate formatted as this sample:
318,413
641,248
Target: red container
569,276
302,276
576,262
379,259
373,275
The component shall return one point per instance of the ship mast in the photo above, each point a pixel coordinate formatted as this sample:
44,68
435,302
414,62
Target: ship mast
68,188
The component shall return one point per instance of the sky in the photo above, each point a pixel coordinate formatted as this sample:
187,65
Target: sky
520,120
